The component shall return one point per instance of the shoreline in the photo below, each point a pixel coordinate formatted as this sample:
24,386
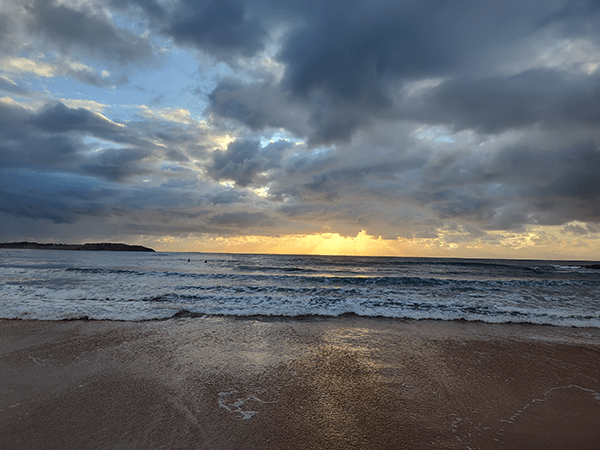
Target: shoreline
532,327
338,383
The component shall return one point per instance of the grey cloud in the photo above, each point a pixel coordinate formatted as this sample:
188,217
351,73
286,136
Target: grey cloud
576,230
87,31
570,174
576,17
11,119
461,234
42,207
328,185
60,118
49,174
541,180
265,105
227,197
348,51
241,220
427,234
343,65
220,27
361,171
519,186
506,188
345,61
90,77
58,197
176,206
493,105
353,51
24,144
8,33
7,85
54,139
259,106
244,160
118,164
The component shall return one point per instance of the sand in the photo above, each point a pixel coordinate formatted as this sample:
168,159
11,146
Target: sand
312,383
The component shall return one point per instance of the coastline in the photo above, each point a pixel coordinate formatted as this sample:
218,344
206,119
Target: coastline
337,383
97,247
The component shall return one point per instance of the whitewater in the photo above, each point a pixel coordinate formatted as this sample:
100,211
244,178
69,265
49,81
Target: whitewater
131,286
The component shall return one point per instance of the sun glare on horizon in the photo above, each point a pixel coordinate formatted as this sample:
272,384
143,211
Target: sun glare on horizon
539,243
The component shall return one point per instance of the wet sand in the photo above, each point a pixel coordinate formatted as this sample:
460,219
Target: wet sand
257,383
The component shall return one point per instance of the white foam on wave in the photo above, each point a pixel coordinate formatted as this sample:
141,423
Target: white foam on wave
57,306
136,288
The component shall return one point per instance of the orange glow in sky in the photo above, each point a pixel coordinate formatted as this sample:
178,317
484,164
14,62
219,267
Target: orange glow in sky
538,243
309,244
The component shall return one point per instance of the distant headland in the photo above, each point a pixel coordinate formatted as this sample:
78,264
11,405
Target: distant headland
106,247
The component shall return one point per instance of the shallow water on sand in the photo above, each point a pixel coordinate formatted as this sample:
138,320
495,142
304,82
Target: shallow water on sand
335,383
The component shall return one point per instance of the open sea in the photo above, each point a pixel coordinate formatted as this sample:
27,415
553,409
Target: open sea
131,286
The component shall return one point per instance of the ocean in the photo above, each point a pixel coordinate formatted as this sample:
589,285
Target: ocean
131,286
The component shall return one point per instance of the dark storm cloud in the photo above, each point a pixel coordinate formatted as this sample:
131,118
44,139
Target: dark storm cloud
259,106
58,197
59,118
50,172
220,27
576,17
347,51
353,50
557,179
53,138
493,105
346,62
345,66
245,160
518,186
24,144
86,30
227,197
118,164
319,118
8,33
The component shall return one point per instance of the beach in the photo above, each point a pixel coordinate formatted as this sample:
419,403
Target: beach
304,383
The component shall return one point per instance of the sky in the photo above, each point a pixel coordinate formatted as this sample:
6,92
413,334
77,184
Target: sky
464,128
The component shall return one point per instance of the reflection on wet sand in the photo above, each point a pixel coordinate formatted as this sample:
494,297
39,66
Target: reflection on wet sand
345,383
